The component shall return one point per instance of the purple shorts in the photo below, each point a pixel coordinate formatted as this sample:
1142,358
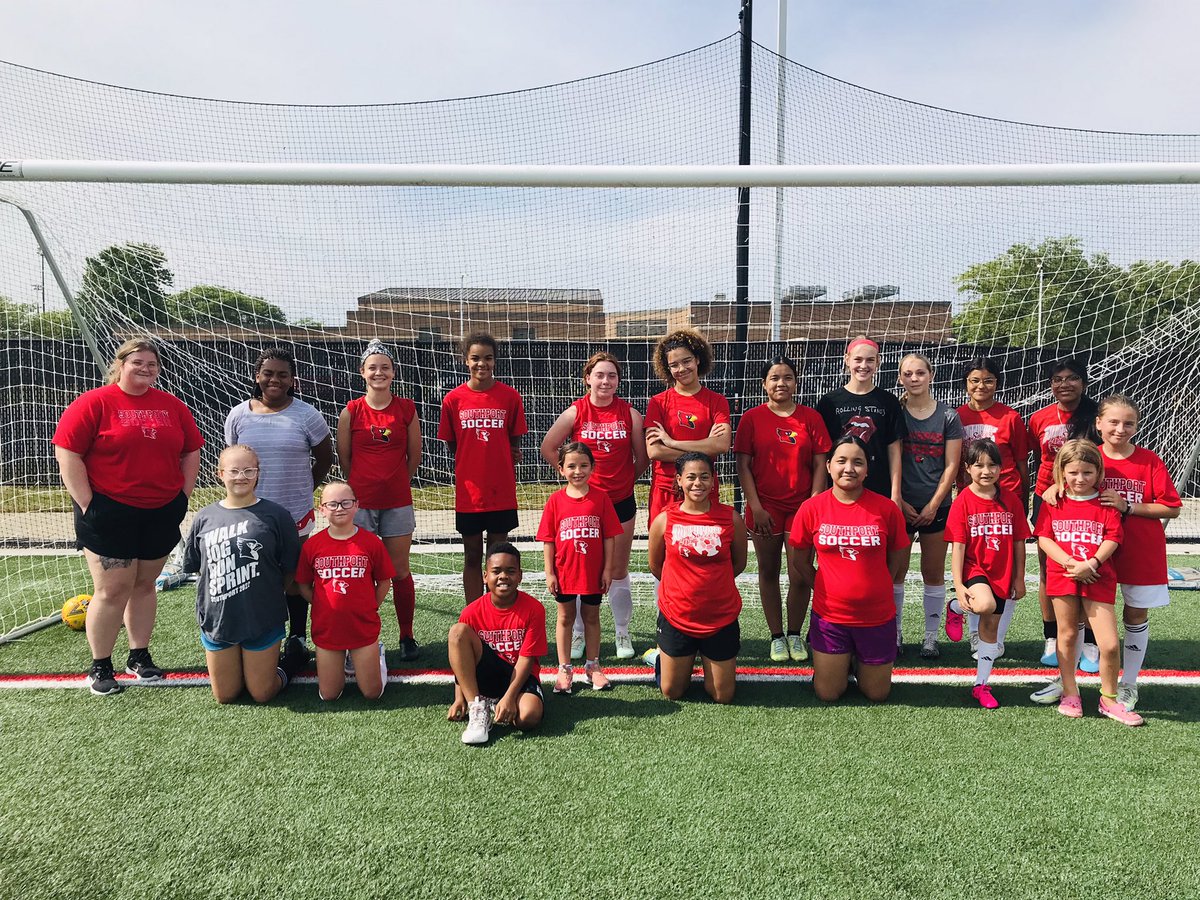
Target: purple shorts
874,645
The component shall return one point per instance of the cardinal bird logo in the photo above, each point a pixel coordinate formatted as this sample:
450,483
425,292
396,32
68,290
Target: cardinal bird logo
687,420
786,436
850,553
861,427
381,435
993,544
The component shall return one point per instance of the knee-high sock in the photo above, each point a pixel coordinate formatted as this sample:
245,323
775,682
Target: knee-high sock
1088,637
898,596
972,623
1137,637
934,599
404,598
297,616
983,667
620,598
577,628
1005,620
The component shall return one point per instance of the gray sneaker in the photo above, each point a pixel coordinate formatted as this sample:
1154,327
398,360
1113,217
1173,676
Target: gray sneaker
929,647
1127,696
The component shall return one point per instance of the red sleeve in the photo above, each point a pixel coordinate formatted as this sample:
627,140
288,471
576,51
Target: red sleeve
801,534
1113,531
1041,527
192,438
821,442
654,412
610,525
546,529
718,406
408,411
518,417
1032,435
1162,488
78,425
956,522
897,527
446,430
743,440
534,643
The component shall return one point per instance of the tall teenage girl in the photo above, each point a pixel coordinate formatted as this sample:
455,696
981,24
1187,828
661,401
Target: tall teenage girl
1071,416
930,462
612,430
379,446
983,417
781,448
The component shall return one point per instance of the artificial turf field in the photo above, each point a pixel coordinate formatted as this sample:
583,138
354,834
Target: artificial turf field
161,793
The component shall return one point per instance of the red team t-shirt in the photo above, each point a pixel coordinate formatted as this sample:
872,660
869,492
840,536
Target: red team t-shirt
1048,430
853,585
1143,478
698,594
1003,425
343,575
1079,527
578,528
608,433
517,631
481,425
781,449
684,418
989,527
130,445
379,453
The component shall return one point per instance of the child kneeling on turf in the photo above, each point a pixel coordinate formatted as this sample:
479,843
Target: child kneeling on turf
345,573
494,650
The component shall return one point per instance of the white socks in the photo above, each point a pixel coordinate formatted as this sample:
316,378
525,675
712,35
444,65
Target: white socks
620,598
898,596
987,657
972,623
1137,637
933,598
1005,620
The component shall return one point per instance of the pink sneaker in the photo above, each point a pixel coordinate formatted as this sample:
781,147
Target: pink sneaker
954,624
596,678
562,684
1071,707
1119,713
983,694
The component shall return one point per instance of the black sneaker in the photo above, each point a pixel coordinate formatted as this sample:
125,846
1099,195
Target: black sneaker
102,682
409,649
296,646
294,659
141,665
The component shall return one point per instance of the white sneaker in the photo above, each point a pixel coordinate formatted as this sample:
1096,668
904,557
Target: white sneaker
1127,696
624,646
479,722
1049,694
577,645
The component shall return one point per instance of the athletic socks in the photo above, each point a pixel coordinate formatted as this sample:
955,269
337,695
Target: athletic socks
987,658
106,662
297,616
898,597
954,607
404,598
1137,637
933,598
972,623
1050,629
1005,620
620,598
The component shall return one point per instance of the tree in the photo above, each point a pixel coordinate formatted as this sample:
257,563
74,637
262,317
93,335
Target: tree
14,317
22,320
207,305
1075,295
129,278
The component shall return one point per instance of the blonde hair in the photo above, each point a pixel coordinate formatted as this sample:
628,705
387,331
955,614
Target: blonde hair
907,356
332,484
244,448
126,350
1077,451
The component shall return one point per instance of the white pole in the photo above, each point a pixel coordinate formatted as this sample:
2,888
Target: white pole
781,76
720,176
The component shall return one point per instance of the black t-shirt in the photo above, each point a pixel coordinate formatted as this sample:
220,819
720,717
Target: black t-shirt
877,418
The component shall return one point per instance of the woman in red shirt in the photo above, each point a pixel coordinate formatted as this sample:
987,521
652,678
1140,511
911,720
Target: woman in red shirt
697,549
612,430
858,538
129,455
379,446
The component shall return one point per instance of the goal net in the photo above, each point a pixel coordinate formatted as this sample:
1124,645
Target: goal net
220,271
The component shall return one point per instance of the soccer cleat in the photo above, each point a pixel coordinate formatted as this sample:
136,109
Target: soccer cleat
1050,653
101,680
295,646
1051,693
650,657
974,638
596,678
1089,662
983,694
1127,696
479,722
577,645
929,647
779,650
409,649
624,646
1071,707
383,666
566,676
954,624
1118,713
796,649
141,665
348,665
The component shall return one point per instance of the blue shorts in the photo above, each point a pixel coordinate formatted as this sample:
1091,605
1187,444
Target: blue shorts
254,645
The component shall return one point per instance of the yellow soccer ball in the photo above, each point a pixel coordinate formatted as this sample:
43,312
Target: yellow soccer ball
74,611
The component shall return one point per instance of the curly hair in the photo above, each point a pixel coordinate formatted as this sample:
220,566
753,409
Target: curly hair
682,339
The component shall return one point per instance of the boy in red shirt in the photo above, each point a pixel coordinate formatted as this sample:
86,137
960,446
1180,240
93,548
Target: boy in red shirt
494,649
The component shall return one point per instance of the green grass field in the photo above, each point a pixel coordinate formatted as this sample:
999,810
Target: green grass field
160,792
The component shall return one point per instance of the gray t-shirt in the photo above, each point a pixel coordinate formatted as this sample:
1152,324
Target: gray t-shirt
924,458
241,556
283,441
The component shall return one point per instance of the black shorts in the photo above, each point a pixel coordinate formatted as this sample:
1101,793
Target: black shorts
120,531
498,521
1035,508
495,674
585,599
718,647
626,509
937,526
1001,602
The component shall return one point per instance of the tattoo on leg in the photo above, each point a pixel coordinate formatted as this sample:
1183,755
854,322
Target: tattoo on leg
112,562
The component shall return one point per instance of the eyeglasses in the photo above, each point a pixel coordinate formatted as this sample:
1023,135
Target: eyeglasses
241,473
1066,379
981,382
338,504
